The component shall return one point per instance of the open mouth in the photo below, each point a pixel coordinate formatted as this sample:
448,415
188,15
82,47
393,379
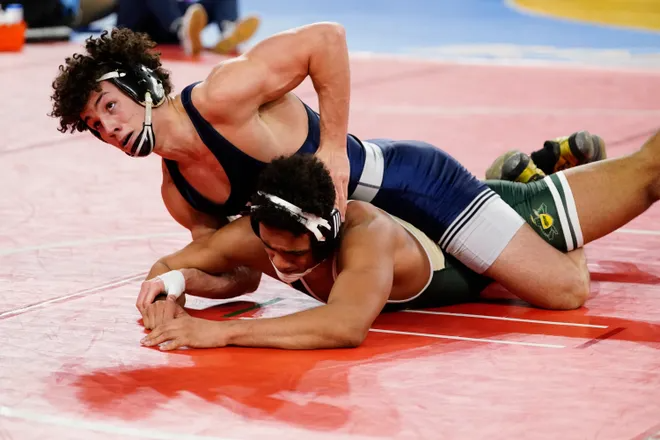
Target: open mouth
127,139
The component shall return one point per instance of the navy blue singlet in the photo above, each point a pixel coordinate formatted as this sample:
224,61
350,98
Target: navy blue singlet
243,170
412,180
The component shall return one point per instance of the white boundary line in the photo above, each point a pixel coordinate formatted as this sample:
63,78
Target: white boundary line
497,111
109,285
90,425
82,243
119,429
455,338
637,232
462,338
426,56
504,318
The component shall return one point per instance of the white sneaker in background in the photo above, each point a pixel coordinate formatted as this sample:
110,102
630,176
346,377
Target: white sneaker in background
235,33
192,24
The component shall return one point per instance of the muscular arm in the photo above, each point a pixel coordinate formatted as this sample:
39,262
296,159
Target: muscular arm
232,246
226,251
202,284
238,281
229,285
279,64
357,297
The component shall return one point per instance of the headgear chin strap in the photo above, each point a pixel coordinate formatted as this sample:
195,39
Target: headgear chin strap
141,85
324,230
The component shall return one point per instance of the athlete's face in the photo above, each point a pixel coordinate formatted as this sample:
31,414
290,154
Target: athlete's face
116,117
289,253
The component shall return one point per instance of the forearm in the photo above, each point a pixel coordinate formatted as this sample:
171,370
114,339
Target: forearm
329,71
158,268
238,282
310,329
231,282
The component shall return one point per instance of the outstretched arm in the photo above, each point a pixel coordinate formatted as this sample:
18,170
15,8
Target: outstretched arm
228,285
227,249
357,297
239,281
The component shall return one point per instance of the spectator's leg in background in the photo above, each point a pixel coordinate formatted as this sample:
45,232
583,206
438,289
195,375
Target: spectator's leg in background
92,10
164,22
192,23
234,31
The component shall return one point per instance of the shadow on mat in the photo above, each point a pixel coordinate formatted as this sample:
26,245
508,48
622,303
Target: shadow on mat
307,388
328,390
622,272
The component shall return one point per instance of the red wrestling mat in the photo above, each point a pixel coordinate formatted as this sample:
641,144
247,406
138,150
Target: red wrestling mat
81,224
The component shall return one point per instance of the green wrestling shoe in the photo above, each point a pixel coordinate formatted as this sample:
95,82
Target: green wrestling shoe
570,151
514,166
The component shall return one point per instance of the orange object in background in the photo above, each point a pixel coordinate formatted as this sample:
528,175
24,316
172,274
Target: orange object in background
12,37
12,28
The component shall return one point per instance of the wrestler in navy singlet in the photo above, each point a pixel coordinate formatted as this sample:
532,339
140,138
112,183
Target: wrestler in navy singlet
547,205
412,180
243,170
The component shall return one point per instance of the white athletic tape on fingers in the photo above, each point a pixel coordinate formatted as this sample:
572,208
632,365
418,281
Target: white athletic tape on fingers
174,281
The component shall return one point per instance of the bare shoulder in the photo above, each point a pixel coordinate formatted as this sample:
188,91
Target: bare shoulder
363,215
224,91
367,231
216,83
240,244
236,88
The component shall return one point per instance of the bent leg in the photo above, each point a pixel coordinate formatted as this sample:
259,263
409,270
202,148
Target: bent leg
541,205
540,274
592,201
610,193
596,199
603,195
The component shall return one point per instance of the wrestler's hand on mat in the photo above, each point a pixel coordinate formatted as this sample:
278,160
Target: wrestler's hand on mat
186,331
161,312
149,290
336,160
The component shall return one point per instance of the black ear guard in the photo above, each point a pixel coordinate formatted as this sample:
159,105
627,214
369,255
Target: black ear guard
324,231
142,86
136,82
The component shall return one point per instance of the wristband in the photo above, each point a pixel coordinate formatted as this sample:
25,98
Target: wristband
175,283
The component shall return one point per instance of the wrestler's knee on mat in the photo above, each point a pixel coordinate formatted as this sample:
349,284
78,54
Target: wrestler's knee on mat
541,275
573,293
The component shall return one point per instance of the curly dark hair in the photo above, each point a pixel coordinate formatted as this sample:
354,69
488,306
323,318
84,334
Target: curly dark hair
77,77
302,180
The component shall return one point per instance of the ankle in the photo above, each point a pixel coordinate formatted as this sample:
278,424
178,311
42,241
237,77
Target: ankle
545,158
